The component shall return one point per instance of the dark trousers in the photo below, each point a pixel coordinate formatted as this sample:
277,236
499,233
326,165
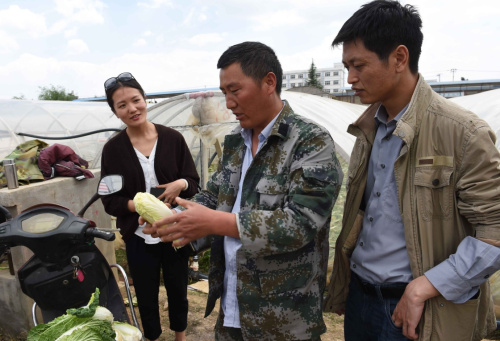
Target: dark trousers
368,316
145,262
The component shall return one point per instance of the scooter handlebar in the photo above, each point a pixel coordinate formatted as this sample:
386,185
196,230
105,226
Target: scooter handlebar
96,233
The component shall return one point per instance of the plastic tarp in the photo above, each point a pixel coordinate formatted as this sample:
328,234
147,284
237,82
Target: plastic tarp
486,105
55,119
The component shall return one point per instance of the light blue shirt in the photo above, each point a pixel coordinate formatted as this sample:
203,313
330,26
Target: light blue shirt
380,255
231,245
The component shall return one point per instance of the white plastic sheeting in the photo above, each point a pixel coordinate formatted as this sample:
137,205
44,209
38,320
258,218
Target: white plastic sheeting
198,116
334,115
55,119
486,105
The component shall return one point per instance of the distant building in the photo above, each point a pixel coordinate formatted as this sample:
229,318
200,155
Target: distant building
331,78
445,89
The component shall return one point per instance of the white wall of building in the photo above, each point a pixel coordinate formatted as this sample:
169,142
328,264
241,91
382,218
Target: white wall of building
331,78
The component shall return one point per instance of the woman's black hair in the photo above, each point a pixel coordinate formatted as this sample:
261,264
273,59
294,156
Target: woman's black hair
133,83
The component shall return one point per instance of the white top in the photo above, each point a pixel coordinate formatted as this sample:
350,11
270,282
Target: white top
148,168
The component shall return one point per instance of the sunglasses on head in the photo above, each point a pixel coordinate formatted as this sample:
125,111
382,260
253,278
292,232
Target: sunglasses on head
122,77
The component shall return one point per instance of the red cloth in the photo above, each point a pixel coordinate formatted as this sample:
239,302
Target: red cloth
61,160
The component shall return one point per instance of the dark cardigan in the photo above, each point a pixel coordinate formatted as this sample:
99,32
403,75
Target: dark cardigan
173,161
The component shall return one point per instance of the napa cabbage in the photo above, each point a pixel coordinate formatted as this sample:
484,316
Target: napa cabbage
89,323
150,207
125,331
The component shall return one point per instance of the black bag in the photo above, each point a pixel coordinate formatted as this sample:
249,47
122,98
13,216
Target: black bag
199,245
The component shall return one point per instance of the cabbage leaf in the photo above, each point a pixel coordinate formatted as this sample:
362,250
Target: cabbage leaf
89,323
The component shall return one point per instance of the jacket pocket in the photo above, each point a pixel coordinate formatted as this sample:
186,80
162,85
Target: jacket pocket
452,321
283,280
434,192
271,193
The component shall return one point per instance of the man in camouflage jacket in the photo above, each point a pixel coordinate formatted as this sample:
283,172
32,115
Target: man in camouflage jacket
283,223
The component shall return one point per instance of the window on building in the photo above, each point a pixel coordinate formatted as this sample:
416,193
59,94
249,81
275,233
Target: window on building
335,82
318,74
301,76
292,85
300,84
284,76
327,82
327,74
335,73
335,90
283,85
292,76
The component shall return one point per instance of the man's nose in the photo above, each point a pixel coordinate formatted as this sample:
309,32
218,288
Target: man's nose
352,77
230,102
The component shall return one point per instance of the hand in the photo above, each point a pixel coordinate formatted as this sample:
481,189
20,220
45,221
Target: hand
411,305
172,190
148,228
195,222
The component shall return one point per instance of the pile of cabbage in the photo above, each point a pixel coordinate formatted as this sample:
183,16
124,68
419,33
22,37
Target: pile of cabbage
89,323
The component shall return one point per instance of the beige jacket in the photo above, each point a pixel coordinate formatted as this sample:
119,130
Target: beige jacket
448,180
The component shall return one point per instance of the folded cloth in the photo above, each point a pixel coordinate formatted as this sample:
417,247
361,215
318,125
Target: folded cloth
61,160
25,157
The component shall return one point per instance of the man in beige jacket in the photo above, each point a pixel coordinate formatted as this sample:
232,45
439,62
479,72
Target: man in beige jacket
421,227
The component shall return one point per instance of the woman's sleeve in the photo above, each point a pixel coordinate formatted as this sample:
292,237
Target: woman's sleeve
187,170
115,204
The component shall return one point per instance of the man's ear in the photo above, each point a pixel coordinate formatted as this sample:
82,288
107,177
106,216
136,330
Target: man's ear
269,81
401,56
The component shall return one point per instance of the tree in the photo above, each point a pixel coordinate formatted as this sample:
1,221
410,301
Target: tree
312,78
54,93
21,96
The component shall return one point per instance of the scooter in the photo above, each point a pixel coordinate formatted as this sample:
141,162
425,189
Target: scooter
66,266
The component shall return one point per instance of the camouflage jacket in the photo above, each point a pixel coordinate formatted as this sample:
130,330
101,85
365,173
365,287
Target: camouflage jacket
288,195
25,157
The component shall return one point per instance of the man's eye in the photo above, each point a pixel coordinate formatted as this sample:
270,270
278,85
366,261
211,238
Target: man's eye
234,91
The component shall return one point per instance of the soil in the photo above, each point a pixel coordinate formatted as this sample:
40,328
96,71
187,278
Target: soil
201,329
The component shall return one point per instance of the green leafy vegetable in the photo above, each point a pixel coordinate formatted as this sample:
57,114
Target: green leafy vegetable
89,309
90,330
150,208
126,332
89,323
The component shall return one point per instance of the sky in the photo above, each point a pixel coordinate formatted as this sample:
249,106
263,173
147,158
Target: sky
172,44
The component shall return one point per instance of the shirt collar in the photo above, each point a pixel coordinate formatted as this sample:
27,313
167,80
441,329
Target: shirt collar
381,115
264,134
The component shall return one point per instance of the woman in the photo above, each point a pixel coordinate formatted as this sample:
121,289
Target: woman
148,156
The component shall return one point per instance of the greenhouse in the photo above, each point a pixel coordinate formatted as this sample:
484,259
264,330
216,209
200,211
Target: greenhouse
202,118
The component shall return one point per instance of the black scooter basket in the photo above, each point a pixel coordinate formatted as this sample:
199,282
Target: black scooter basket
57,289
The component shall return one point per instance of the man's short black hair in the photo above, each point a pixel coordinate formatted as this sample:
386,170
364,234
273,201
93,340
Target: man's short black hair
256,60
383,25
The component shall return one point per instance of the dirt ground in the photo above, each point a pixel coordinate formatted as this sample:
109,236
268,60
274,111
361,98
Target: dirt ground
201,329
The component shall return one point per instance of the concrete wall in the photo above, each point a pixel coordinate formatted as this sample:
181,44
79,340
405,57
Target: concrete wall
15,307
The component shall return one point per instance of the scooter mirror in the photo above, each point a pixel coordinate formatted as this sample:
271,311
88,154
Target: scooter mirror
110,184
